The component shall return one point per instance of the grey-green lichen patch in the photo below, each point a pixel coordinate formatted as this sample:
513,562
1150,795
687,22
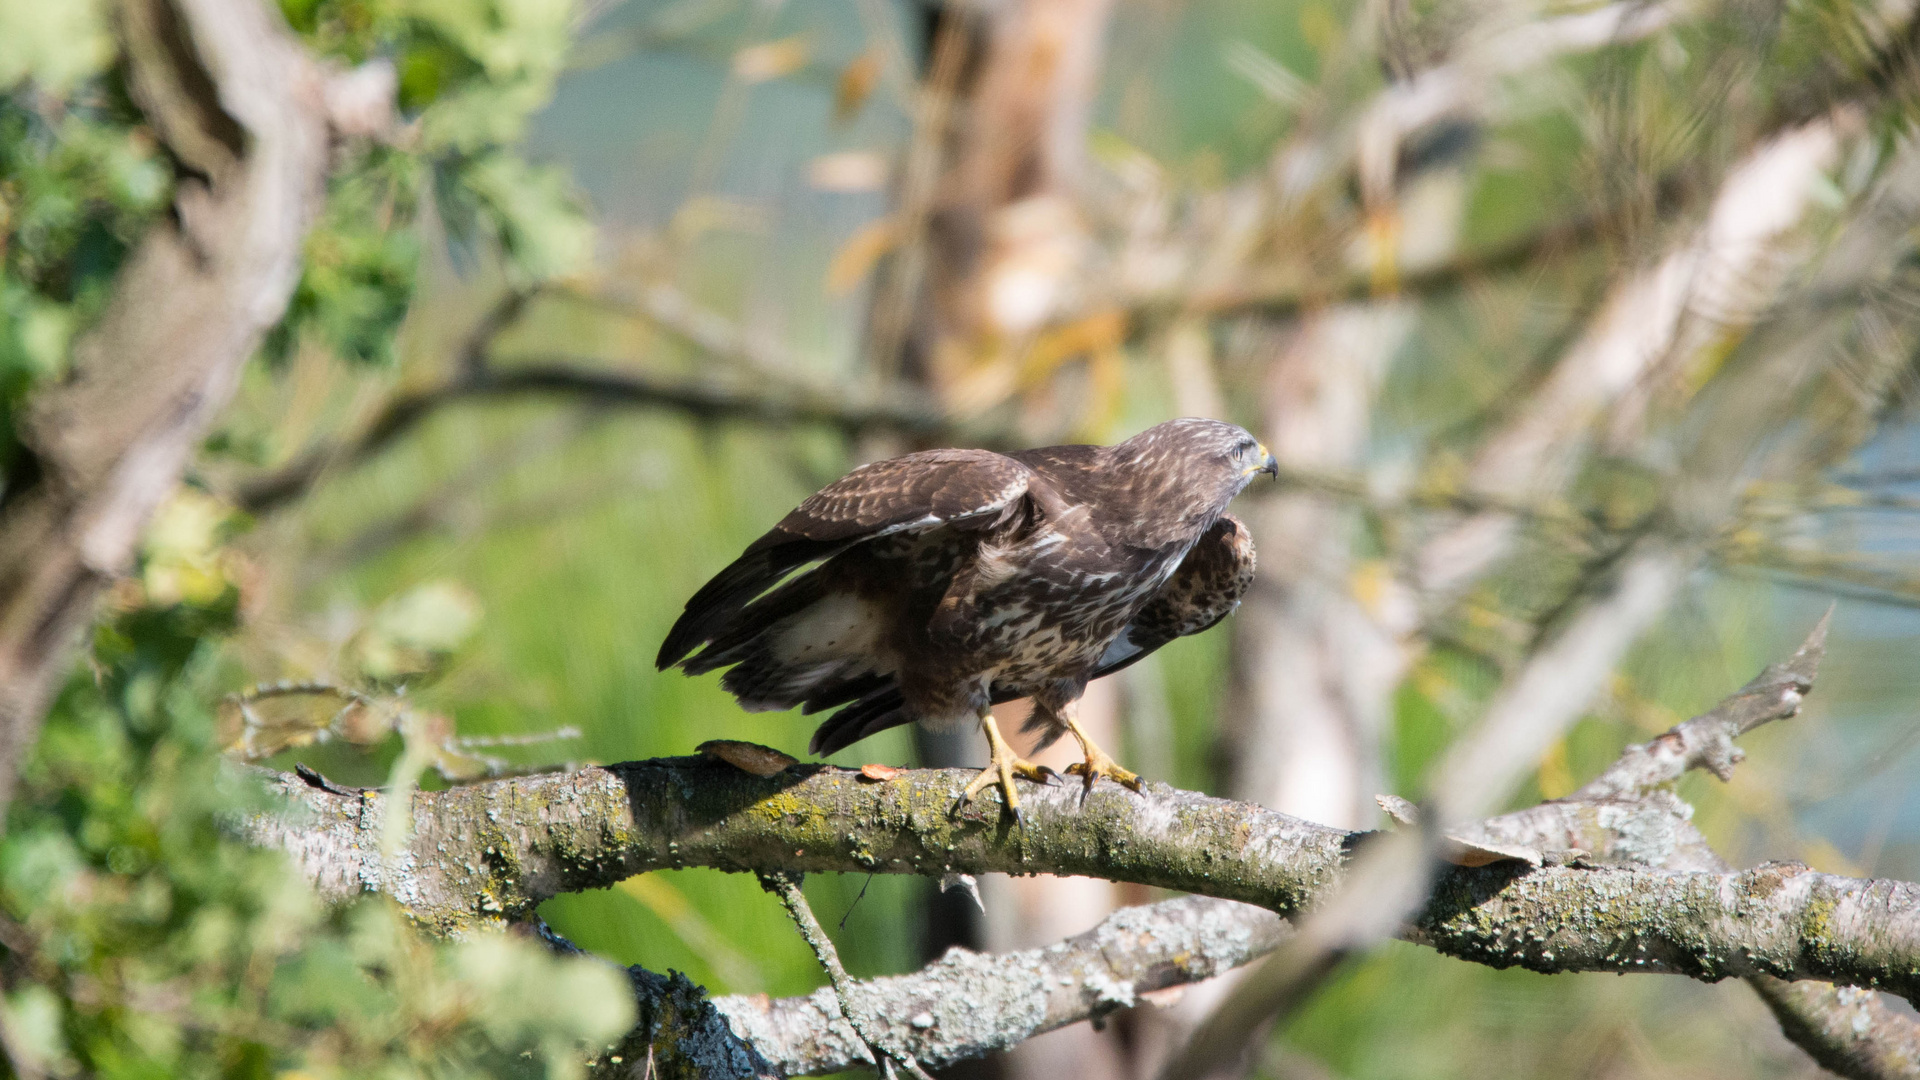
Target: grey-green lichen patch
1778,920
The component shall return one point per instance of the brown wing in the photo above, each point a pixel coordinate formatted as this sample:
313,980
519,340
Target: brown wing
918,491
929,490
1204,590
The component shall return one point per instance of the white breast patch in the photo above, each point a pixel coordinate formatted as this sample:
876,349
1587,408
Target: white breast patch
840,625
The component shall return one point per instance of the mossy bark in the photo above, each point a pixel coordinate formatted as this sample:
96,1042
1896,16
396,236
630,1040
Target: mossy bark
492,852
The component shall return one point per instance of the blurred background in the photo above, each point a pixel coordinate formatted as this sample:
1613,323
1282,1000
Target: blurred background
1512,289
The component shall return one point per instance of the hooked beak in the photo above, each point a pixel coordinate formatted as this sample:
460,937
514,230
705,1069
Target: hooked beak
1268,464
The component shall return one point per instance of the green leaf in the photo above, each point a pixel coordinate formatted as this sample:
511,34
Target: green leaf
534,215
414,631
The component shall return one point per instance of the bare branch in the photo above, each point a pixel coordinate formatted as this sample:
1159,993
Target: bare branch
601,385
1706,741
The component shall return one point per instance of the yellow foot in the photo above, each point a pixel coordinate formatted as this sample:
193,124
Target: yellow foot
1098,763
1006,765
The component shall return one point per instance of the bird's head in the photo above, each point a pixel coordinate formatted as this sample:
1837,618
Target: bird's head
1206,459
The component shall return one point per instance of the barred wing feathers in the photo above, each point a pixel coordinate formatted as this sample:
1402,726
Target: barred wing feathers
918,491
738,619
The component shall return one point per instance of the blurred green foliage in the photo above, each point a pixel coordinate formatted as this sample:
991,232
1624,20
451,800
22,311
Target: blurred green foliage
144,939
469,74
78,185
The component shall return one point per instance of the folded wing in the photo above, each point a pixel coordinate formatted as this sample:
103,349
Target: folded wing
811,638
1206,588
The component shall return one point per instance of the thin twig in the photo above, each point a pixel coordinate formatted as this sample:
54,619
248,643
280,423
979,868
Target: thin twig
534,738
787,888
626,388
298,688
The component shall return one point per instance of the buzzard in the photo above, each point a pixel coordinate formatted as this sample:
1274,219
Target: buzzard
947,581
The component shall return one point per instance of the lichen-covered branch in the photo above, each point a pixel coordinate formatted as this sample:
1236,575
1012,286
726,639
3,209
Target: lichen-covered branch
1630,816
1613,878
494,851
1780,919
967,1004
962,1006
1848,1030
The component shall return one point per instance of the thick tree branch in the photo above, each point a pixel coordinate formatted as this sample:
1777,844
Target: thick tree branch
1629,815
962,1006
494,851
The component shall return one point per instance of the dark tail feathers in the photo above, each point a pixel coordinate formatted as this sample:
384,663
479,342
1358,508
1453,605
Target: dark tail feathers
881,707
711,609
879,710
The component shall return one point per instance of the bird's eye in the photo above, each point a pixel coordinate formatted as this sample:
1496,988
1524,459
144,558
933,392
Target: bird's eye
1245,448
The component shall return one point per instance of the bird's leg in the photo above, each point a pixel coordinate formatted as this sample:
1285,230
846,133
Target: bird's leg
1098,762
1006,765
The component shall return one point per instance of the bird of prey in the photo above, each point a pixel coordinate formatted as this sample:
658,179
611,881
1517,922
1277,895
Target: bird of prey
940,583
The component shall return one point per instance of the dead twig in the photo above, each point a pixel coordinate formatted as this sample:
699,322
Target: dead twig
787,888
